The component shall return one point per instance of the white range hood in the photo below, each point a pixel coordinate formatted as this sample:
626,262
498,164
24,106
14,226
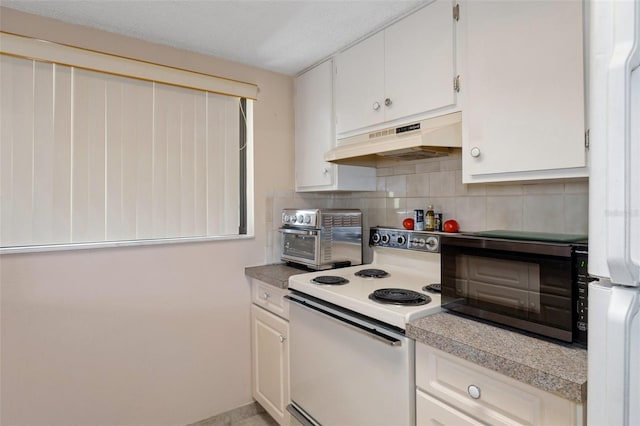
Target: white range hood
434,137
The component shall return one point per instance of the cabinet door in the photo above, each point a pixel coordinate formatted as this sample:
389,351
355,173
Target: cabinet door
432,412
270,360
314,131
523,88
315,135
360,85
419,62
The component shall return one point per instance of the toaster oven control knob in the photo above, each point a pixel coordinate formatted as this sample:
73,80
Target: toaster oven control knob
401,240
385,239
375,238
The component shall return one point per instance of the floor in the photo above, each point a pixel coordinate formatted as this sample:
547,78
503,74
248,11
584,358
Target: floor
251,414
260,419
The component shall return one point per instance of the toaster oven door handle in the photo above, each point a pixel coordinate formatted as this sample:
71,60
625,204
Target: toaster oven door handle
299,231
369,331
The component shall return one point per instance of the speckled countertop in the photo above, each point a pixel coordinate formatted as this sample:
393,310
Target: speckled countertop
551,367
276,274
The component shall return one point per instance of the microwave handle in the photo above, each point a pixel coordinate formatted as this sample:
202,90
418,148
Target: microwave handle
299,231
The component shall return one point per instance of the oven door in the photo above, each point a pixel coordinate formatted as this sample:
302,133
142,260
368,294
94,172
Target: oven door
300,246
347,371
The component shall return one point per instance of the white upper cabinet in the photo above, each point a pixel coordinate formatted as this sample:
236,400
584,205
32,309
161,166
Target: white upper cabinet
522,90
315,135
406,70
419,62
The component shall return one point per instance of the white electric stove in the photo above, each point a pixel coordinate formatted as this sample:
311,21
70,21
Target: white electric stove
345,345
411,261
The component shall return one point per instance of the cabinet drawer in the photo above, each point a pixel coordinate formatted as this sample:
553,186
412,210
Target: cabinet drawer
430,411
271,298
489,396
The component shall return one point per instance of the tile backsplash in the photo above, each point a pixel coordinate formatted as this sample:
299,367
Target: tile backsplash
544,207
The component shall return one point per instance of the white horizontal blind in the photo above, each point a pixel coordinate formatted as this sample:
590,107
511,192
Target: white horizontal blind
91,157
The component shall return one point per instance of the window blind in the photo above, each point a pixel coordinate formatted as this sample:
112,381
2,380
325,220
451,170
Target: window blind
87,156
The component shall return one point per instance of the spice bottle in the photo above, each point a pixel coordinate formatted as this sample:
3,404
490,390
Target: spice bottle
429,224
438,222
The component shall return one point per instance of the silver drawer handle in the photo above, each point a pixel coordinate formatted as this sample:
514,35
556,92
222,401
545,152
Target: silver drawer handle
266,295
474,391
282,339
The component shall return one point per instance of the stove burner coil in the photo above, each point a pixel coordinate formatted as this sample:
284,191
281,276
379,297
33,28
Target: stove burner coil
372,273
433,288
330,280
399,296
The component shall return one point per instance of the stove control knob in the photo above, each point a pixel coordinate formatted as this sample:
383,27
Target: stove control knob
294,218
300,219
285,218
401,240
432,243
307,219
375,238
385,239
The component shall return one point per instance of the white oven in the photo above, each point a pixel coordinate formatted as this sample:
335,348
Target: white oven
337,360
351,363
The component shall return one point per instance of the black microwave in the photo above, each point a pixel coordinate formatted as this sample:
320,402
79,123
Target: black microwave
538,287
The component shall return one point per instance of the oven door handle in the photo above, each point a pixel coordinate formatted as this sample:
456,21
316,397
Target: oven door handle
299,231
369,331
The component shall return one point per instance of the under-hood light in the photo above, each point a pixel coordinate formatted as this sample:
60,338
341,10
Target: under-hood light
429,138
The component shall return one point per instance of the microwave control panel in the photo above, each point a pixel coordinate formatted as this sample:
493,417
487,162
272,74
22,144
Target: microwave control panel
582,280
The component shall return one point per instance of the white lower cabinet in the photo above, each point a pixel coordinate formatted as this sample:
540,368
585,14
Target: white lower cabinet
451,390
431,411
270,355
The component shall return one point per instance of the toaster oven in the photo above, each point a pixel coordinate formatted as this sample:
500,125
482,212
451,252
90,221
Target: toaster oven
321,238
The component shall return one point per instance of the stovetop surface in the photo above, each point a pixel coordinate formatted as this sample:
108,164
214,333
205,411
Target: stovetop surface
411,271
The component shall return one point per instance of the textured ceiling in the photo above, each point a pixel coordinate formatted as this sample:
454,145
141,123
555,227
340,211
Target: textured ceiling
281,36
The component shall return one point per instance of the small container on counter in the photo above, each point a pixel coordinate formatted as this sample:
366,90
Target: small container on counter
418,220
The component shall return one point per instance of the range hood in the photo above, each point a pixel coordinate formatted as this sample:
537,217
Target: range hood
434,137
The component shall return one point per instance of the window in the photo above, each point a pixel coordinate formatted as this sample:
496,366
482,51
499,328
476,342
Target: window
88,156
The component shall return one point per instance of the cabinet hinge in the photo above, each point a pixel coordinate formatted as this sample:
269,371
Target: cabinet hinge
456,83
586,139
456,12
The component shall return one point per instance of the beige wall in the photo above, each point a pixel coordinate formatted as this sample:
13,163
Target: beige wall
146,335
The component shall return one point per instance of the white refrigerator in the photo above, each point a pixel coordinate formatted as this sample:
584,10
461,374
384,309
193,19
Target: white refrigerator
614,213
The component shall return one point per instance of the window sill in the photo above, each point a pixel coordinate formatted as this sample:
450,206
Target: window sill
113,244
